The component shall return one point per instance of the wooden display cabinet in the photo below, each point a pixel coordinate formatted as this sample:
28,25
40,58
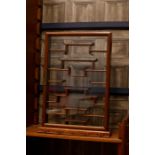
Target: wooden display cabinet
69,106
72,135
72,109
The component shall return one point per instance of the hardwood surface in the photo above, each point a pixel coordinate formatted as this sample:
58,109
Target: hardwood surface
32,131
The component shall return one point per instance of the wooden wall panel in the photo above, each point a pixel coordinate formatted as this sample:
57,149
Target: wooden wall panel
116,10
120,60
54,11
120,49
120,76
85,10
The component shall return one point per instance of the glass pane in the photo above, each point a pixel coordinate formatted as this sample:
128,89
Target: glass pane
76,80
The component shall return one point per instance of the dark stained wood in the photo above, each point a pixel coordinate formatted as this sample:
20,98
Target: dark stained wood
31,59
47,146
123,147
116,144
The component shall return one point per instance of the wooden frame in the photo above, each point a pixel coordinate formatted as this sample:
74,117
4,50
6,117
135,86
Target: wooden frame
34,29
74,129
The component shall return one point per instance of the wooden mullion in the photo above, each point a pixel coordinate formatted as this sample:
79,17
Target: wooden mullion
35,110
37,61
107,92
45,67
79,44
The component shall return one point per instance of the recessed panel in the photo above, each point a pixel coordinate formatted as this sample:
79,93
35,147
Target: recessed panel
54,12
116,11
83,11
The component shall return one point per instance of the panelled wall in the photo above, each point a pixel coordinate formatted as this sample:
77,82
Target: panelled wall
85,10
78,11
119,71
93,11
55,11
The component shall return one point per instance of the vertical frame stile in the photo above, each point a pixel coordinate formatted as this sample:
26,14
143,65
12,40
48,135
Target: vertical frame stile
107,92
38,16
45,86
